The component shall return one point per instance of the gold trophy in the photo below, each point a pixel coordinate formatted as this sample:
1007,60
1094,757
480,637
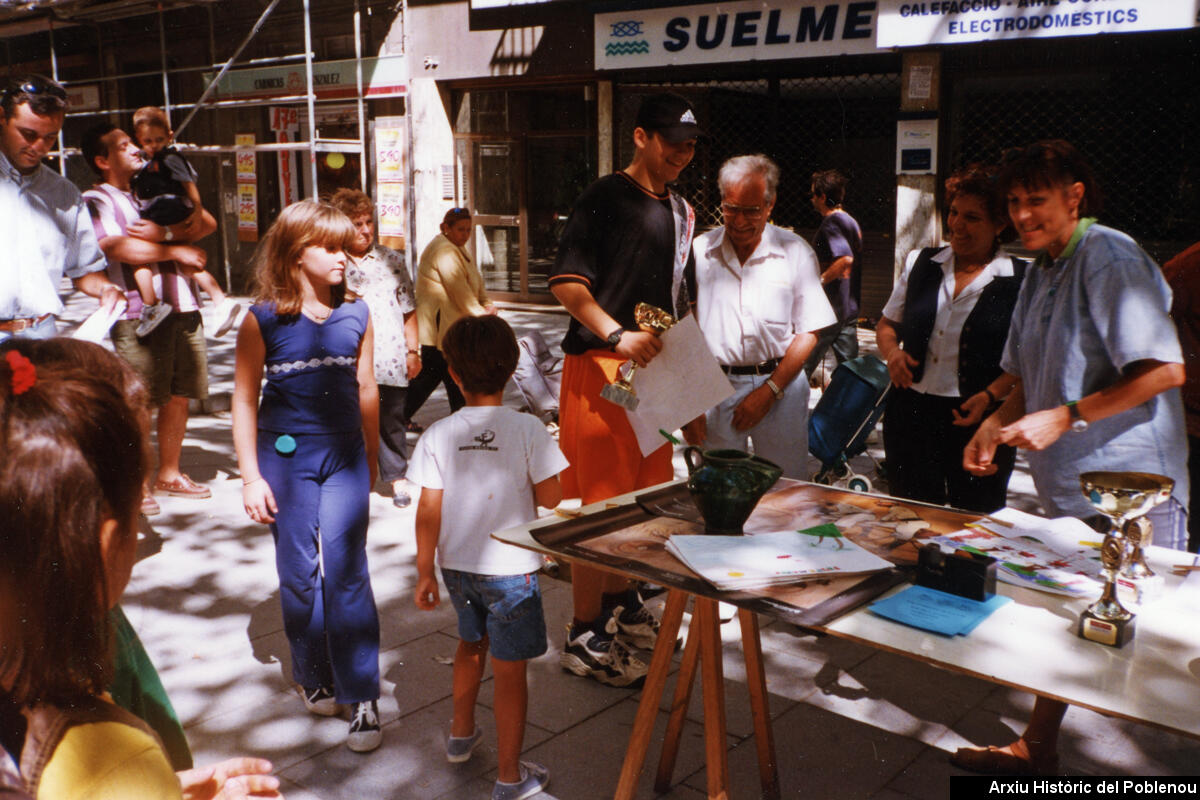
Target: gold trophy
1123,497
650,319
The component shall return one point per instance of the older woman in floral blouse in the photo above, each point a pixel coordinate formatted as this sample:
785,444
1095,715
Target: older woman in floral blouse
379,275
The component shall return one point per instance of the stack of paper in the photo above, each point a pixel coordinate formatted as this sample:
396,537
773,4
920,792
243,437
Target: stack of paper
764,559
931,610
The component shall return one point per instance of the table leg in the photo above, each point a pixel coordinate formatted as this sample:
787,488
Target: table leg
712,683
756,682
684,680
652,690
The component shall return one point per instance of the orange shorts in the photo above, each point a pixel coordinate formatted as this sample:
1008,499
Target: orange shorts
596,437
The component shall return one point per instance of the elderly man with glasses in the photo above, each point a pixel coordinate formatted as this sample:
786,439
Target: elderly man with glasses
43,220
759,303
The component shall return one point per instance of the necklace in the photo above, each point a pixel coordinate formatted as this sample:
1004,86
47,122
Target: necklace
316,316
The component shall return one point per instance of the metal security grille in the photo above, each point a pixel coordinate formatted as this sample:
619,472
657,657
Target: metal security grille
804,124
845,122
1138,130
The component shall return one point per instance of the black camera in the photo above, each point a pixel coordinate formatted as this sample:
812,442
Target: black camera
966,574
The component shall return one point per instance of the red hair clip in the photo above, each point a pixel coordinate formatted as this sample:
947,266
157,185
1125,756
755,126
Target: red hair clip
24,375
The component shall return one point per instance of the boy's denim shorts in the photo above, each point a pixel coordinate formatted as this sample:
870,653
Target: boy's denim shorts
505,608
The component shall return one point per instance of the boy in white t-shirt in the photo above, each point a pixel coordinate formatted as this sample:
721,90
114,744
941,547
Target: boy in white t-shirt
482,469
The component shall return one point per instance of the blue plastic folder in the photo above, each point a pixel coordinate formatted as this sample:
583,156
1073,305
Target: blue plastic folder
931,610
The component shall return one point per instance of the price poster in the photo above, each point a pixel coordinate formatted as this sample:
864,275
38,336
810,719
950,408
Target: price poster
389,149
247,212
391,188
247,189
391,209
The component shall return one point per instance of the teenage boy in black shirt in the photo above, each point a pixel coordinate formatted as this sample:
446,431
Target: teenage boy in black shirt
628,240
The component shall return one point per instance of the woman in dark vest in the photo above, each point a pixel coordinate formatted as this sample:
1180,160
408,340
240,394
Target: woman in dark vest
942,334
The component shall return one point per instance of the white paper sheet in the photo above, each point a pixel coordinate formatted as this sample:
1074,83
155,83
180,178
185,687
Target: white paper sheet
682,382
96,327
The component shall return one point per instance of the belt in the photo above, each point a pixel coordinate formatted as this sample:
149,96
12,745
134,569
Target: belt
18,325
763,368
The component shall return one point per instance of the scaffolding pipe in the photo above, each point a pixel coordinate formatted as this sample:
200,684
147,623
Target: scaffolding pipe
162,54
62,162
312,111
362,124
212,87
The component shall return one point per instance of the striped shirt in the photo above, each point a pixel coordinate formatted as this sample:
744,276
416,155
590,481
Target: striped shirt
113,209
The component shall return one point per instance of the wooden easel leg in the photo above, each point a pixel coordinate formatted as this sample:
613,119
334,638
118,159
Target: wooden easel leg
712,682
656,681
684,680
756,682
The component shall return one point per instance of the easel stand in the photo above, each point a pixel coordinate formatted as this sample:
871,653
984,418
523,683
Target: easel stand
703,649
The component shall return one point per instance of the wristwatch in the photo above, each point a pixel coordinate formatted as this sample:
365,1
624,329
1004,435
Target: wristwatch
614,338
169,235
1078,423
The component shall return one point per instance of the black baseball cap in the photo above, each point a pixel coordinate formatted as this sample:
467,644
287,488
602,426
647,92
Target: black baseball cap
668,115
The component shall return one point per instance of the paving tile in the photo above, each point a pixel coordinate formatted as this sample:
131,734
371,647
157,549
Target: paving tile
411,762
821,755
587,757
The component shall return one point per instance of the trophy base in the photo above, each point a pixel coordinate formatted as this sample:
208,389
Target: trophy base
1111,632
623,397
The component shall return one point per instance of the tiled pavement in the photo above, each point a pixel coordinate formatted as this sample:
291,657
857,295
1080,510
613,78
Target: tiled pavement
849,721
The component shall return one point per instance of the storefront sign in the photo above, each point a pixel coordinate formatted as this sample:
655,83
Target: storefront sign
382,77
749,30
904,24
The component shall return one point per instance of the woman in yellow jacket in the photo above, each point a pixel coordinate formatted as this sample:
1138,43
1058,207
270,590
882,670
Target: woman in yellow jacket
449,286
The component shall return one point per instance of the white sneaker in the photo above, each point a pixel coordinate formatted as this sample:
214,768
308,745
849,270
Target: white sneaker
151,318
364,734
603,658
227,312
319,701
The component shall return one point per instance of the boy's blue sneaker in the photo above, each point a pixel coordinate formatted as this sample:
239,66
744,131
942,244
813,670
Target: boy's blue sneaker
459,748
534,778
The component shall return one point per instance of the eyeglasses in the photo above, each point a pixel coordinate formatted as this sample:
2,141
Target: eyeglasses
749,212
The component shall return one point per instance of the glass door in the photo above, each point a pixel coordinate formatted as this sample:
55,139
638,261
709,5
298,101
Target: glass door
524,157
497,242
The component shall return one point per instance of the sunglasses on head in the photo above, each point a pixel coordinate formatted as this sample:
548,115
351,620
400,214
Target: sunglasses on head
36,86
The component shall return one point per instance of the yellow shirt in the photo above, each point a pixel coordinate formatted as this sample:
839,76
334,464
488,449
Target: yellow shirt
448,287
108,761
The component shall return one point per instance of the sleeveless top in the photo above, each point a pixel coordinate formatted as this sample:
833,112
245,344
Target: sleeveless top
984,333
311,370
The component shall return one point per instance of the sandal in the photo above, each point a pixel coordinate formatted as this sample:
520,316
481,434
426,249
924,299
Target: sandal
183,486
1015,759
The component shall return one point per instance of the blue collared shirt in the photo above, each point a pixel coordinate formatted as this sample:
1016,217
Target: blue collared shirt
1080,321
45,232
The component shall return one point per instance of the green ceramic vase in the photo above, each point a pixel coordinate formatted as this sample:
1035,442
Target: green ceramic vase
726,485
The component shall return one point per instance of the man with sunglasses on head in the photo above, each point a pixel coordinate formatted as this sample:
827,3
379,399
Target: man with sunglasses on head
760,305
43,219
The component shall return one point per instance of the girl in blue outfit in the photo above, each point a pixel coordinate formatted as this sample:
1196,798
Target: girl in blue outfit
307,456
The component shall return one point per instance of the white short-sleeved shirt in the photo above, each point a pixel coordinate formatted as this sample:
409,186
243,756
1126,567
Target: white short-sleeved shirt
486,460
46,233
750,312
941,359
